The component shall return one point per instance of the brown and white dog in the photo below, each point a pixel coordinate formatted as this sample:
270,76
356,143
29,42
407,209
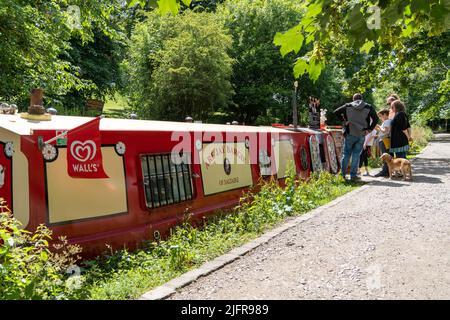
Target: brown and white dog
397,164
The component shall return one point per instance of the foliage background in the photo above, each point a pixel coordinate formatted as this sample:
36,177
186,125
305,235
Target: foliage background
254,55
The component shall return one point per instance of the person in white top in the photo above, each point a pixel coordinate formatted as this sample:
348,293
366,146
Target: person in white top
367,151
384,138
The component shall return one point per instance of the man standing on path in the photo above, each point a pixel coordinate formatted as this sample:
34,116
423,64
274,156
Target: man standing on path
360,118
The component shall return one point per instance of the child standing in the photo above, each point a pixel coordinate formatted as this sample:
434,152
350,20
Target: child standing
367,151
384,142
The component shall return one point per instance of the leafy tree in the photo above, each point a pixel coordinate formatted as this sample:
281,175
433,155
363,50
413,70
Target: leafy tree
208,5
261,78
179,66
362,25
35,34
410,40
175,6
419,73
98,64
163,6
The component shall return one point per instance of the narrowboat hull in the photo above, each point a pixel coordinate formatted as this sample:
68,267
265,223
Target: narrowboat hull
146,193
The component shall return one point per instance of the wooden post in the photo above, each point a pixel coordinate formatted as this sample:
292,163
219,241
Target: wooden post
294,106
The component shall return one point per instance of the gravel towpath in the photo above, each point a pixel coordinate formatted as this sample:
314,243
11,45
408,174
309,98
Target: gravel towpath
388,240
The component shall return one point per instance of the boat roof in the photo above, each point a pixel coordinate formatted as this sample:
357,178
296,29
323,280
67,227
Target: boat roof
20,126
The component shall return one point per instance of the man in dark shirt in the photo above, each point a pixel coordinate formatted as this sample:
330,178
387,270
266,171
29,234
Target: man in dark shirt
359,119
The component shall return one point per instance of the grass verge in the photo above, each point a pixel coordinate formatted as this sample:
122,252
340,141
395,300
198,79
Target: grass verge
125,275
116,107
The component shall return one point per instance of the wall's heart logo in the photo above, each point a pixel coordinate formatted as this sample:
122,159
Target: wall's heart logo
83,151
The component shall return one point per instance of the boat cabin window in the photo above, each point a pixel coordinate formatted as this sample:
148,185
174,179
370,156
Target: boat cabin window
166,182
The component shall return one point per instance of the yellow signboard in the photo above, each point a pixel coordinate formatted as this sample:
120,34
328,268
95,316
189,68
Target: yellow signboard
284,157
225,166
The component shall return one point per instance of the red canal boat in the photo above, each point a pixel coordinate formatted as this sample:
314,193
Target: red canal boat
157,171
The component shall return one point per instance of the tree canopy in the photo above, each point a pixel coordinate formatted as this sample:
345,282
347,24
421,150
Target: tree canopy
239,64
401,41
377,42
178,66
35,38
364,25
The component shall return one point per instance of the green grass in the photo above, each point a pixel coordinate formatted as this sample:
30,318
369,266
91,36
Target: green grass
116,107
125,275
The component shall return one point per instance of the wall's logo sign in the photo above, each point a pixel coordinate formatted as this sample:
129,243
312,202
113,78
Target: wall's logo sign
2,175
83,151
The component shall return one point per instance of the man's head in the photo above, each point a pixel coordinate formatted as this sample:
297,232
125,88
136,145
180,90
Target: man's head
357,96
384,114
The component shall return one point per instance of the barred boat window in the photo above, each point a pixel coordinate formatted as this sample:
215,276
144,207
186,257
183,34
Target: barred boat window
166,182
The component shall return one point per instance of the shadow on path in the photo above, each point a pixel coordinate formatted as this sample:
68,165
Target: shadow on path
385,182
435,167
441,137
425,170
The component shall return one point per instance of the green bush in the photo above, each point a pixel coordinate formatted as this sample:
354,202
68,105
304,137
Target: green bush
421,136
375,162
28,269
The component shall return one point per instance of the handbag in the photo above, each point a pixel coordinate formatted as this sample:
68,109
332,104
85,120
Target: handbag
387,142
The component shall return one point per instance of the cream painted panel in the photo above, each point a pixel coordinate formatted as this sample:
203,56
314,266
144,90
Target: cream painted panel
225,167
73,199
284,157
21,195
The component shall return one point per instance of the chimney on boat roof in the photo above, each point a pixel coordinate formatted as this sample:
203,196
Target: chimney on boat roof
36,101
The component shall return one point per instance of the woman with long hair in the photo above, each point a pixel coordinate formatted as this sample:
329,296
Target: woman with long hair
400,135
